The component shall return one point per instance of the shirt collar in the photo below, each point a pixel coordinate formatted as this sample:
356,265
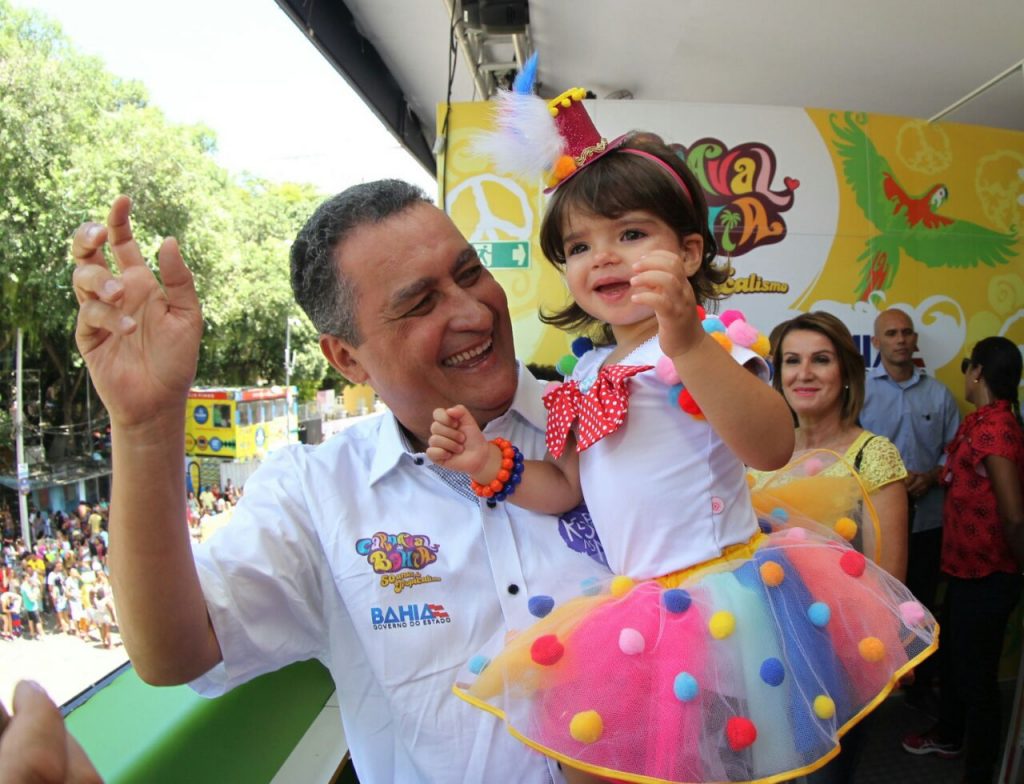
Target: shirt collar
393,446
879,371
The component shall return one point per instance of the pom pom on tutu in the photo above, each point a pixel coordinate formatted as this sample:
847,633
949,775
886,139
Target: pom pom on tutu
722,339
772,671
586,726
722,624
819,614
546,650
688,404
742,334
846,527
631,642
871,649
824,707
685,687
761,346
674,392
772,573
712,324
666,371
813,466
853,563
740,732
780,514
676,600
621,585
912,613
540,605
590,587
478,664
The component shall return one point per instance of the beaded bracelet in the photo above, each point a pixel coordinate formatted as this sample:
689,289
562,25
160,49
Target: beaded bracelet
509,475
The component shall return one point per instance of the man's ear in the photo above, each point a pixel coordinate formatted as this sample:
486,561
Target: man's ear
342,357
693,253
875,341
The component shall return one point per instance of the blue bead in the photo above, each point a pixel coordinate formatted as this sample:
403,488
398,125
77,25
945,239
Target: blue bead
581,346
676,600
772,671
478,664
819,613
500,496
515,479
540,605
591,586
685,687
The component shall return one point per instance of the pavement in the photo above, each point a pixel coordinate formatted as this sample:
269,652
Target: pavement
62,664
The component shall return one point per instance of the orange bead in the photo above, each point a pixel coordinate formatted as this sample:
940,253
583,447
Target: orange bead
503,476
496,486
507,463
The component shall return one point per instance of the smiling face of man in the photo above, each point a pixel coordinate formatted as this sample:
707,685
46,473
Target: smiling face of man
434,324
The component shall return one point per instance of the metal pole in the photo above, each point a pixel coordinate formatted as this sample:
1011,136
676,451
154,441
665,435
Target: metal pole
288,379
976,92
19,453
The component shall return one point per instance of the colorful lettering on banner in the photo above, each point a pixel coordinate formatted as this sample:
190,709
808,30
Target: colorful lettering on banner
390,553
744,211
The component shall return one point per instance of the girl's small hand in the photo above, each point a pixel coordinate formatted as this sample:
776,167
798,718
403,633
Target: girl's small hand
456,441
661,281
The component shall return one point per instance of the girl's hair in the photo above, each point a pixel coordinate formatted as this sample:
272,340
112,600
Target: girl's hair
1000,362
618,183
851,362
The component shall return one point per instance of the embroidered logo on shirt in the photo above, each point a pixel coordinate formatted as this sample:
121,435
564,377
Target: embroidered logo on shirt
577,530
391,553
403,616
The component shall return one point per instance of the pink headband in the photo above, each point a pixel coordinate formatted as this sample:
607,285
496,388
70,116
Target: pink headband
674,174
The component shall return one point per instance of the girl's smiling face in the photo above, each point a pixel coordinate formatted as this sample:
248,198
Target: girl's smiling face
599,257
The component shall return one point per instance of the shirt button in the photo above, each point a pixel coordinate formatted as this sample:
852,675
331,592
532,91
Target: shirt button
418,460
513,589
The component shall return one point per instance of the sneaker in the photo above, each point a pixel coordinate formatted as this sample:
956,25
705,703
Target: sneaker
929,743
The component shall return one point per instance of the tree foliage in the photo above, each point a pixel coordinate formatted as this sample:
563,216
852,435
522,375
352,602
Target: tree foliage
73,136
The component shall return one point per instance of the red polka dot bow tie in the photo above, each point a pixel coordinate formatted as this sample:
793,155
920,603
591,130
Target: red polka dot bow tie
598,413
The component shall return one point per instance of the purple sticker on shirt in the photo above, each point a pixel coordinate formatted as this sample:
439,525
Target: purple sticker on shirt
577,529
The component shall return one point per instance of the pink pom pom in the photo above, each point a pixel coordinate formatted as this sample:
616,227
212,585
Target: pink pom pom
742,333
666,372
631,642
729,316
813,466
551,387
797,534
912,613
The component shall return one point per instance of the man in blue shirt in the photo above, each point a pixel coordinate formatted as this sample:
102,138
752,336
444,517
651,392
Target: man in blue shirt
918,414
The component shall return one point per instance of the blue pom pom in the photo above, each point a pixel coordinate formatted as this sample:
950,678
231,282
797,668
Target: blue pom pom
713,324
685,687
772,671
819,614
676,600
581,346
673,394
780,514
540,605
591,586
478,664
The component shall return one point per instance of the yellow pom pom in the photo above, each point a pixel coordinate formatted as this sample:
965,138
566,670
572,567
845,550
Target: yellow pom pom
722,339
722,624
621,585
751,481
871,649
761,347
846,528
824,707
772,573
586,727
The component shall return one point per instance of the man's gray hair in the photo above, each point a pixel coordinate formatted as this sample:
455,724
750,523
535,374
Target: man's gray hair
328,297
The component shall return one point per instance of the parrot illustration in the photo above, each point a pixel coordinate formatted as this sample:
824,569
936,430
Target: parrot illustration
908,224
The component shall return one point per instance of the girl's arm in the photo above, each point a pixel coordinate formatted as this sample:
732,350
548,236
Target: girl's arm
749,416
1002,473
890,503
456,442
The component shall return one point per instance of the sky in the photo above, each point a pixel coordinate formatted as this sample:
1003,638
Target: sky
242,68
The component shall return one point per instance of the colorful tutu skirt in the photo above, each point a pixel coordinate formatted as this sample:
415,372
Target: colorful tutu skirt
747,668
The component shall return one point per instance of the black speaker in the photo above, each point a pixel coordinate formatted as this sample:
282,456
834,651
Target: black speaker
504,17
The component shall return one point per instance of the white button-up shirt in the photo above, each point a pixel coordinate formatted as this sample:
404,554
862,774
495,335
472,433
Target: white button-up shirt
357,553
